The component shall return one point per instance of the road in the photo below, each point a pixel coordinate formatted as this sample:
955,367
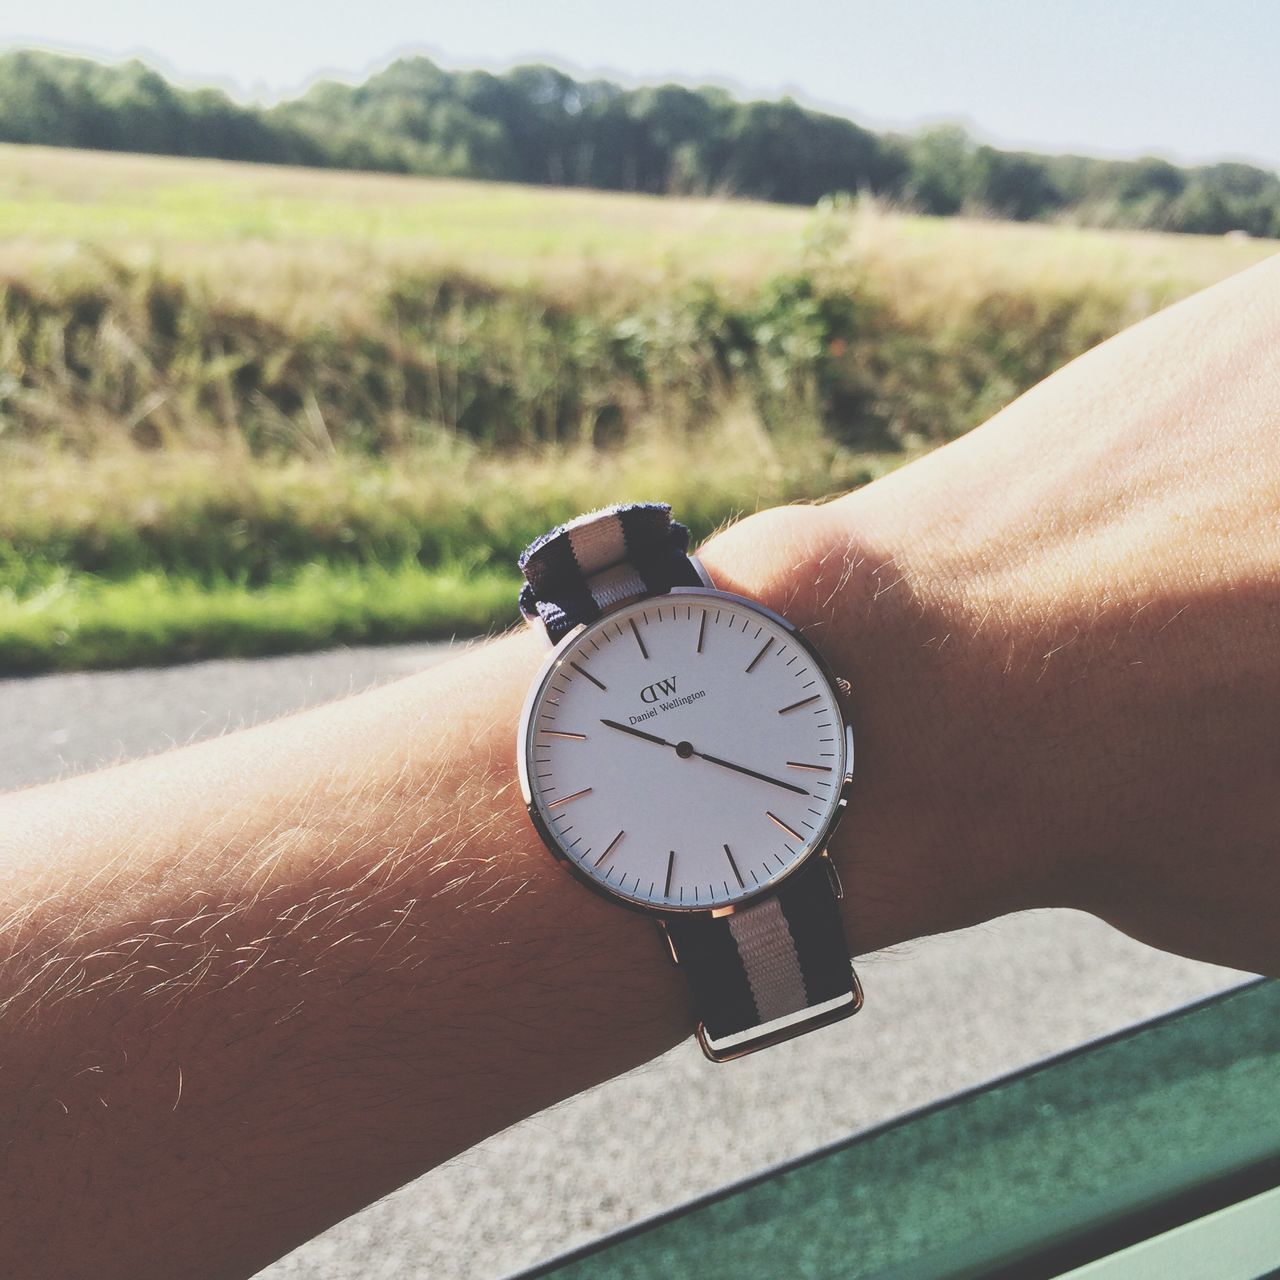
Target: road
941,1014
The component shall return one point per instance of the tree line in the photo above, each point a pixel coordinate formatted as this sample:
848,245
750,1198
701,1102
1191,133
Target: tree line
536,124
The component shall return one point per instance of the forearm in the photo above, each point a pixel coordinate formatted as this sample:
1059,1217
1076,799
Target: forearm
261,981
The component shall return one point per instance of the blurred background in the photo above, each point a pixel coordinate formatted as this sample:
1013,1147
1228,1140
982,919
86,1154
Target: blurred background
306,331
311,316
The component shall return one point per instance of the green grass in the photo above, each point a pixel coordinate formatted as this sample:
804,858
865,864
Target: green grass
247,409
79,620
134,558
217,517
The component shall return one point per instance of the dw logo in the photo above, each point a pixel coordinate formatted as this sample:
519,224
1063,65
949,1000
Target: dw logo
659,689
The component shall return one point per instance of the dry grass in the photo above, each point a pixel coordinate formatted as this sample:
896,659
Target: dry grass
224,514
299,244
293,242
131,558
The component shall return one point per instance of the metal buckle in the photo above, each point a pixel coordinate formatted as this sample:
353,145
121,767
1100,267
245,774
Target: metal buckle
766,1039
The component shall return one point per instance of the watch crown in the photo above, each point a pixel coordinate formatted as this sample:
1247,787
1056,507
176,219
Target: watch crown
668,939
843,686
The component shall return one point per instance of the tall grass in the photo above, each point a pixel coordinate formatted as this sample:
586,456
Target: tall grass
105,355
226,515
130,556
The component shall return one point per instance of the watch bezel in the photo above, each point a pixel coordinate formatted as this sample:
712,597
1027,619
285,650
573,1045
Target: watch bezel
551,663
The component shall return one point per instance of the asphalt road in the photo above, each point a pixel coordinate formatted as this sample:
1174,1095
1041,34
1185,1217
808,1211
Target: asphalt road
940,1015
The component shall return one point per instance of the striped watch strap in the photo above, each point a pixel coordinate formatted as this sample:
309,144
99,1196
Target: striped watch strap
777,966
582,569
778,963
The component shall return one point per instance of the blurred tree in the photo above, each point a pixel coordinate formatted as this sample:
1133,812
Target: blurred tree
938,169
1010,185
536,124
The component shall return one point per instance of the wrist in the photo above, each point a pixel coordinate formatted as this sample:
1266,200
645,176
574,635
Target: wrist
939,834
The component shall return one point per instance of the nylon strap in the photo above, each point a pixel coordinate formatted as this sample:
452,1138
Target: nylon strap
603,559
776,957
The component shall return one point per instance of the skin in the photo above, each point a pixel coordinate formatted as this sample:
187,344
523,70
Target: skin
249,986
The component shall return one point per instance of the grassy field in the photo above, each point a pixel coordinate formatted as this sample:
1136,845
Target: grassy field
124,559
253,234
246,409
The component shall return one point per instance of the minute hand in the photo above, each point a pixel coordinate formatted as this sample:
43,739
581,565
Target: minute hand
751,773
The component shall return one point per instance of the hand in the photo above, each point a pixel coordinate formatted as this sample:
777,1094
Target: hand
751,773
637,733
686,749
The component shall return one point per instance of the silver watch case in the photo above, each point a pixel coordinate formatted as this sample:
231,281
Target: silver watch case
551,665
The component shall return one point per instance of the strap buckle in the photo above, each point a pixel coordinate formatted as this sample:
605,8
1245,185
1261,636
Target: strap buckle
783,1029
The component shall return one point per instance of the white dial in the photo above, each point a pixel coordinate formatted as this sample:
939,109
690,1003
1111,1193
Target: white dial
685,752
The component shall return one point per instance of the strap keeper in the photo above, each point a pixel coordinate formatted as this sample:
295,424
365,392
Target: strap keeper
782,1029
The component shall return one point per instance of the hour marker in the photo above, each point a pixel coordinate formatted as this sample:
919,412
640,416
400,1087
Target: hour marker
583,672
613,844
635,631
774,817
702,629
768,644
804,702
586,791
671,866
728,853
813,768
556,733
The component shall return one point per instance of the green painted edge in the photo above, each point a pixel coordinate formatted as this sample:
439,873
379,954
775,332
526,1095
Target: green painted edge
1240,1242
1253,1007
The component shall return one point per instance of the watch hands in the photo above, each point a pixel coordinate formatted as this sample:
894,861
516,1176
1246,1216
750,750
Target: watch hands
639,733
690,751
751,773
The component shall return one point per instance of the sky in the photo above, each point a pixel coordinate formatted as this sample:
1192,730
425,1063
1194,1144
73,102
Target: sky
1186,79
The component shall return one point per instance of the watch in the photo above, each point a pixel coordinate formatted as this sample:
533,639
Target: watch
683,752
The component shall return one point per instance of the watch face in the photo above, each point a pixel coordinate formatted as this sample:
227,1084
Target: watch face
684,753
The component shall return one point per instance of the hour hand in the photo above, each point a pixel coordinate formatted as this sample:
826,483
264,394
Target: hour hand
637,733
